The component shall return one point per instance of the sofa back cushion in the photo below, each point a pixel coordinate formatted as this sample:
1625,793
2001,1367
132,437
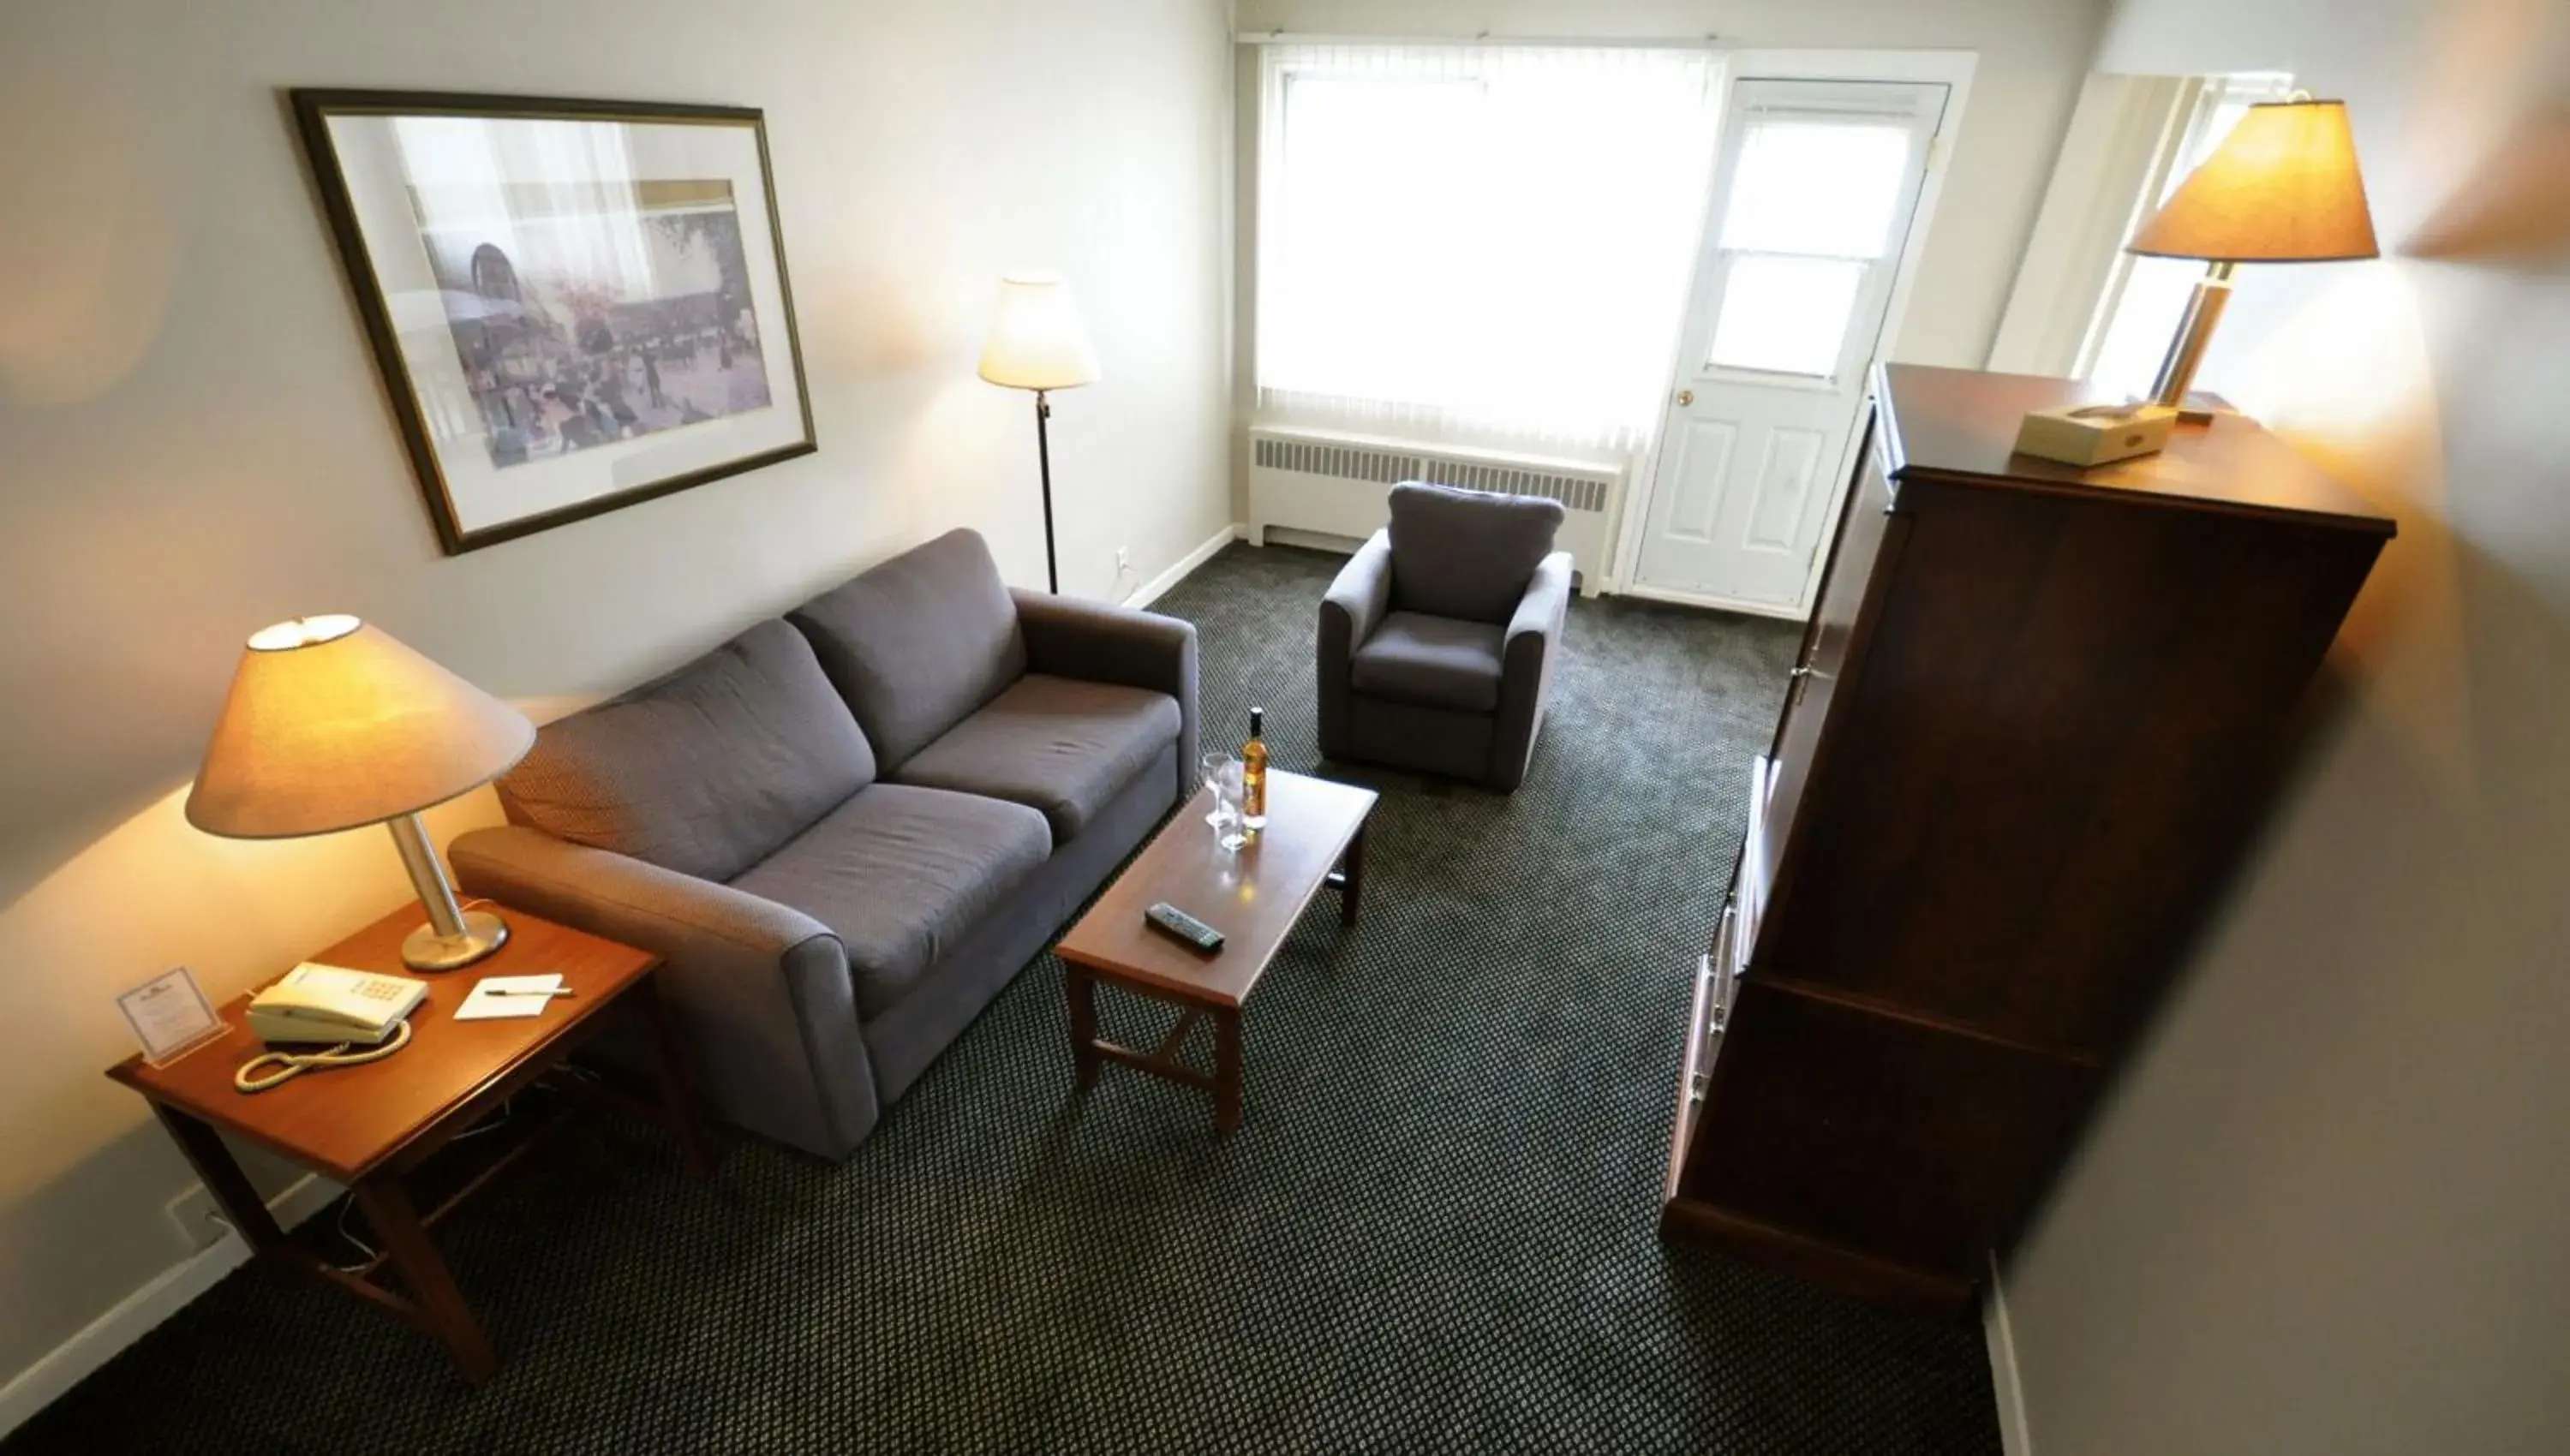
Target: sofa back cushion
1467,554
707,771
919,642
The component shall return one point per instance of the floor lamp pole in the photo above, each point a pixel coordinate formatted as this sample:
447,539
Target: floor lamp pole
1043,462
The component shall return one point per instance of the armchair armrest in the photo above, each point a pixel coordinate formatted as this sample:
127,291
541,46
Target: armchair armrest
1095,642
1354,606
1525,669
760,991
1542,611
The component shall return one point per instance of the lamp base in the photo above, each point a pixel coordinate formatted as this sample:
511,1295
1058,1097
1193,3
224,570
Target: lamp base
425,949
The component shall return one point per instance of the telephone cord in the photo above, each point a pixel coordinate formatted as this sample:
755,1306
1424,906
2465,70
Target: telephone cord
292,1064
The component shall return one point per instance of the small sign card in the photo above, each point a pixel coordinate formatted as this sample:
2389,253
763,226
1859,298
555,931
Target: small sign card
169,1015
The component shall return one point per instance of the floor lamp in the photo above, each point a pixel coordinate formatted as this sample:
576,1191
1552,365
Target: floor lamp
1036,342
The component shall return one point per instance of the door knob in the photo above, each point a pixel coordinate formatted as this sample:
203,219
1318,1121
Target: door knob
1685,397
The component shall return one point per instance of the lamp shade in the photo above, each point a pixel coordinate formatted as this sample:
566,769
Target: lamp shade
1036,340
2282,187
331,724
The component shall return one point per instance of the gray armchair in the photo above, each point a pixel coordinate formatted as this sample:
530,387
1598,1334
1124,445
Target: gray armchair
1437,641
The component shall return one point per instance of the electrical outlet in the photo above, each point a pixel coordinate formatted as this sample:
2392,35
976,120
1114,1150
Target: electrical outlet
197,1222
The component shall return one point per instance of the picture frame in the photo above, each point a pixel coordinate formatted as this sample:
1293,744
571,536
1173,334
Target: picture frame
575,305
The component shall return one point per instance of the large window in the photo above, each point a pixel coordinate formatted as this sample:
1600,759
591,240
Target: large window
1485,241
2145,298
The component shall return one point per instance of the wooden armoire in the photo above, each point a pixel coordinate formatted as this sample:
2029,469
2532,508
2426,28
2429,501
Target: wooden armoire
2036,713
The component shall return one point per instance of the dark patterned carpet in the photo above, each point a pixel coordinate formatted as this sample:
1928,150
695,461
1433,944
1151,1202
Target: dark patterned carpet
1432,1234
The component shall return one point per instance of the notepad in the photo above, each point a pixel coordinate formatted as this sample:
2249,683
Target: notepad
497,996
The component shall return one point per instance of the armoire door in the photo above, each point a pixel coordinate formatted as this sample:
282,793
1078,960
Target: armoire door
1867,540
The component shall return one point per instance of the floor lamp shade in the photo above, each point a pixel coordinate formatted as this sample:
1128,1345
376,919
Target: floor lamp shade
331,724
1038,342
1036,339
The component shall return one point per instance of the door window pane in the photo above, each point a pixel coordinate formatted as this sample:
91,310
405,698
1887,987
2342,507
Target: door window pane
1816,188
1784,315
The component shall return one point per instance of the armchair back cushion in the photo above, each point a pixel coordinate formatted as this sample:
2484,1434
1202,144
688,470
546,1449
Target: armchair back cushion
1466,553
706,771
918,642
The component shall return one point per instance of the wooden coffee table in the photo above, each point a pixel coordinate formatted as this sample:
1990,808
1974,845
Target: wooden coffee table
1315,835
364,1127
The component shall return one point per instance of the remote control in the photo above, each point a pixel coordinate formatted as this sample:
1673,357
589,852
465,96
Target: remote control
1176,924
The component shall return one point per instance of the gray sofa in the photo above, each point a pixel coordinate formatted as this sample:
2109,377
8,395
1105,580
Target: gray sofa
848,828
1437,642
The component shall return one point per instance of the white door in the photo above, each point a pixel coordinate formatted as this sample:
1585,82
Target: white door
1812,206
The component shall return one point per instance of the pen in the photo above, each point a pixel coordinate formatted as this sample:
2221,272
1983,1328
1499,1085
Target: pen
558,991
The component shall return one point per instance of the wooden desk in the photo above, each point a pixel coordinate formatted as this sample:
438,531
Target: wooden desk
1315,835
365,1126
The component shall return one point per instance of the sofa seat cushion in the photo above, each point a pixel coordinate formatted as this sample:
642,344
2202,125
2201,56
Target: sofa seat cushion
1054,744
901,874
705,771
918,642
1435,661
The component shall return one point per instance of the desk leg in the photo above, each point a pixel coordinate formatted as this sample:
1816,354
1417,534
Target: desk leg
223,1177
441,1305
678,1088
1226,1068
1083,1024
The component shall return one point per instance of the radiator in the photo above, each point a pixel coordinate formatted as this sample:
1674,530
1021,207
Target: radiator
1334,485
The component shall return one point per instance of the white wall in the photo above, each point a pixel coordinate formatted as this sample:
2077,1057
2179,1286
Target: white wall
194,442
2329,1208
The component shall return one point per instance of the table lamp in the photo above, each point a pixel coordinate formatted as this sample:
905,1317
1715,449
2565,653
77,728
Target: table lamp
331,724
1036,342
2282,187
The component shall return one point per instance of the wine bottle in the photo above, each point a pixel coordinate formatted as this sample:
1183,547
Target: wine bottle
1253,772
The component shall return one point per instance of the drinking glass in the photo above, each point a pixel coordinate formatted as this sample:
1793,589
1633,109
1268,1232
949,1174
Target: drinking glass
1222,775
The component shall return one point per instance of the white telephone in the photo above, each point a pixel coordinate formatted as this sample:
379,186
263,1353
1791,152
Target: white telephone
325,1003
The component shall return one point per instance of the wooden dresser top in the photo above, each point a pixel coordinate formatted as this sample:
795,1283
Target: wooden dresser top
1960,425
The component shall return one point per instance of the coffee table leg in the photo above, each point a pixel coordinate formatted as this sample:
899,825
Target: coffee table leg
423,1271
1084,1025
1226,1068
1352,877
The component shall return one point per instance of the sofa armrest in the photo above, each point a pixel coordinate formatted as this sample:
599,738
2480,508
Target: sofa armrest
1525,669
761,992
1351,610
1094,642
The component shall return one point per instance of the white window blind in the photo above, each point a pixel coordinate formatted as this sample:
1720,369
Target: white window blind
1478,243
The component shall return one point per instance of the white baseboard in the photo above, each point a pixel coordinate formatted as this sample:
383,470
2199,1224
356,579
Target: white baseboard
2014,1438
1152,591
1708,601
168,1292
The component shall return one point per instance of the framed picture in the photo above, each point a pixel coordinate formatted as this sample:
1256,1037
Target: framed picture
576,305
